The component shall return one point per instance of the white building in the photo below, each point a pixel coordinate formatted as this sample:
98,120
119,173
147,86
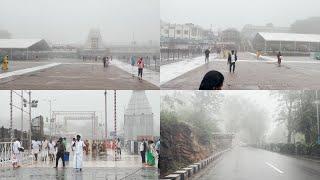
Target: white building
94,40
138,117
187,31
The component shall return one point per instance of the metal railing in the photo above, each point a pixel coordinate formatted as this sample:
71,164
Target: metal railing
6,155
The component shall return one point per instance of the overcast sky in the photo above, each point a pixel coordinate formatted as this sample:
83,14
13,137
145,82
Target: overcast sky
69,21
76,101
237,13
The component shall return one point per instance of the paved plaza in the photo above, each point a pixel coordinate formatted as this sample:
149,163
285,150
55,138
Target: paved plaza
94,167
75,74
264,74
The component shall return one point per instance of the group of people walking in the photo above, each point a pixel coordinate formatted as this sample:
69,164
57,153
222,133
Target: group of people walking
53,150
213,80
231,61
149,152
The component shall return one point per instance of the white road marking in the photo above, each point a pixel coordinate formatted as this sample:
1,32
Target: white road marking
27,70
275,168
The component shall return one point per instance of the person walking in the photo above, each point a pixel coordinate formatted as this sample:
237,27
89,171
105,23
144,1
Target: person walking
44,150
151,154
16,150
232,58
94,148
140,64
5,62
132,62
35,148
104,59
79,145
51,150
118,146
206,53
87,145
279,57
60,153
142,149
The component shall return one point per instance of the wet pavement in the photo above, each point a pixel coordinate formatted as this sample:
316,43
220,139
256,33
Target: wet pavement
74,74
18,65
97,173
251,74
244,163
94,167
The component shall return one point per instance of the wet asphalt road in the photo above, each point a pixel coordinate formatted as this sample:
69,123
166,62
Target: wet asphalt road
245,163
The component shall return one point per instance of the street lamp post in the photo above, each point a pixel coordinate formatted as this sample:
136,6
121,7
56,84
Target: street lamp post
11,119
22,104
317,105
30,121
50,115
105,114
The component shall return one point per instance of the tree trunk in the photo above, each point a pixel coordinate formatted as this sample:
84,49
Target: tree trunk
307,137
289,137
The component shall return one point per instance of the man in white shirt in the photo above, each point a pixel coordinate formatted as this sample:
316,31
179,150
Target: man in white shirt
52,150
36,149
78,154
16,146
232,58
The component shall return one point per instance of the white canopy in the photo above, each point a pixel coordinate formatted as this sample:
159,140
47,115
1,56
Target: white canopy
290,37
38,44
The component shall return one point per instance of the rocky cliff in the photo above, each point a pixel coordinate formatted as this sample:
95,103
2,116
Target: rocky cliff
181,146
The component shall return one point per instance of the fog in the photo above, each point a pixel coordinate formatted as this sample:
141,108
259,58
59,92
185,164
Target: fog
237,13
76,101
250,115
60,21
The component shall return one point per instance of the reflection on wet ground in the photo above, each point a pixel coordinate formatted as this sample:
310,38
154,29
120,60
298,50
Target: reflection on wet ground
95,166
86,174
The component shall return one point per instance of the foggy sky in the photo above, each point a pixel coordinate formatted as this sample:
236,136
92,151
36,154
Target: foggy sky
76,101
237,13
69,21
262,98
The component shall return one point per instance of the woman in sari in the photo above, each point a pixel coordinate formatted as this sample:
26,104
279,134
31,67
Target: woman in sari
151,154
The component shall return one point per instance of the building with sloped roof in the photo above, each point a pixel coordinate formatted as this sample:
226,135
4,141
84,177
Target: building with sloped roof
24,48
287,42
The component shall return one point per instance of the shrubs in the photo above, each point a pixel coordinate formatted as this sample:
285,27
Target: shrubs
287,148
315,150
300,149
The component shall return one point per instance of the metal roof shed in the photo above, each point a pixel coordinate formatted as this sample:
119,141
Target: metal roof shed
311,40
24,44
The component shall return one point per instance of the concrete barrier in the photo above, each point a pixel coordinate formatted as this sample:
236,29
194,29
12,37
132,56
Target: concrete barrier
199,165
195,168
183,174
186,173
173,177
189,170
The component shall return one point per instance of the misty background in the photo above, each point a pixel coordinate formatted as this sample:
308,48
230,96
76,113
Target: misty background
253,116
76,101
60,21
237,13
